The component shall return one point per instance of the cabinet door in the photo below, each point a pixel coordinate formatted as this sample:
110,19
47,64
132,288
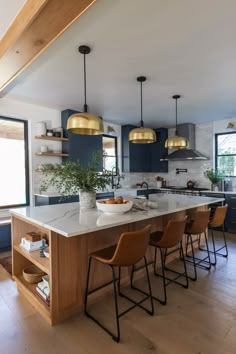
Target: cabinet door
80,147
230,221
135,157
158,151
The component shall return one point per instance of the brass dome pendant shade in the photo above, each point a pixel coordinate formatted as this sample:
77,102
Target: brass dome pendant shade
85,123
176,142
142,135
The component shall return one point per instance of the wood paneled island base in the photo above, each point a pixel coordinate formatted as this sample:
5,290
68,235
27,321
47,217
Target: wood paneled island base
68,257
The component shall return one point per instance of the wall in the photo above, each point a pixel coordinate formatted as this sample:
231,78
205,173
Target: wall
195,169
33,114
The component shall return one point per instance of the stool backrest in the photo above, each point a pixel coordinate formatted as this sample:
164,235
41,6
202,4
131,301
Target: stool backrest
173,233
131,247
200,222
219,216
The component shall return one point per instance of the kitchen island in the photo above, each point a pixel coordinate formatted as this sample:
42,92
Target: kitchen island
72,235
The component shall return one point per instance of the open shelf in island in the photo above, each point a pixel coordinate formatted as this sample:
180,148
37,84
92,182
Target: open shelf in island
34,257
29,291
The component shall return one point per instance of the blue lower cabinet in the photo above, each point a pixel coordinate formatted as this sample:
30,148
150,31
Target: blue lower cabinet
5,237
46,200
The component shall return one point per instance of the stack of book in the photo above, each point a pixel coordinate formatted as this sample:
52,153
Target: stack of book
32,241
43,289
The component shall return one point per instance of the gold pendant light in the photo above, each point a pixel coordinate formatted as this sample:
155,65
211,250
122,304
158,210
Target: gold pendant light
176,142
142,135
85,123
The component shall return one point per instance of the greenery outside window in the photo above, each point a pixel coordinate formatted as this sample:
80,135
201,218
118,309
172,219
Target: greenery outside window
14,176
109,148
225,153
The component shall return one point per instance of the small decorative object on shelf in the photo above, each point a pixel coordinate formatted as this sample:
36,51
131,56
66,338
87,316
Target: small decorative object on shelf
32,274
33,236
42,248
49,132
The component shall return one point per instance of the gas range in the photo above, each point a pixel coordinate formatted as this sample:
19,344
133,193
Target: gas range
185,190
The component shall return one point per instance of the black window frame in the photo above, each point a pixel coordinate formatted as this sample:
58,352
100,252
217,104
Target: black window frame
216,151
26,143
116,155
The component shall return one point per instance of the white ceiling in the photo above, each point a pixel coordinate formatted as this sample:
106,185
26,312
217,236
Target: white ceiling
184,47
8,11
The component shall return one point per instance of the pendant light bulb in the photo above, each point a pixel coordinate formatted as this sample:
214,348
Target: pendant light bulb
176,142
142,135
85,123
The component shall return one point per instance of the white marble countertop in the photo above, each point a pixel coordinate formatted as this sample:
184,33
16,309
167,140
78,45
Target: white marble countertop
69,220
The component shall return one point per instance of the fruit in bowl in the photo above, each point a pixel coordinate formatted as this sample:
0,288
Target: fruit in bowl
116,205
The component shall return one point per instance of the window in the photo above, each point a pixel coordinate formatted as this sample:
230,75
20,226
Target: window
226,153
109,145
14,176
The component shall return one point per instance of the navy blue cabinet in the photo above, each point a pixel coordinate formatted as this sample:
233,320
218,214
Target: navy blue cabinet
144,157
157,151
5,237
230,221
49,200
79,147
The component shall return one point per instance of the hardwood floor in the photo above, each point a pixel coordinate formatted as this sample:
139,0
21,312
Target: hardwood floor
198,320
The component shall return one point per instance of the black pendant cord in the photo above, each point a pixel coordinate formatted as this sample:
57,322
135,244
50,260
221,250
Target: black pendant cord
176,97
176,132
141,100
85,87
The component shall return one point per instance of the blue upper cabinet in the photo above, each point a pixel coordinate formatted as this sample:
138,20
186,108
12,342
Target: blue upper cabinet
158,151
144,157
79,147
135,157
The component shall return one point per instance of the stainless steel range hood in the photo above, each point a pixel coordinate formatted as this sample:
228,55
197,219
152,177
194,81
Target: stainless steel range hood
188,131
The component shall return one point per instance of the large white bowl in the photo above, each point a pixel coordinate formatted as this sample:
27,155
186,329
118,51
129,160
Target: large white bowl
114,208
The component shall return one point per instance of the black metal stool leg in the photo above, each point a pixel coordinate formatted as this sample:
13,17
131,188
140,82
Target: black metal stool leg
226,247
116,338
149,287
189,237
208,252
87,286
163,302
185,268
214,248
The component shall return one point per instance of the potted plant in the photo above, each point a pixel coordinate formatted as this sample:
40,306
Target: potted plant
214,177
71,178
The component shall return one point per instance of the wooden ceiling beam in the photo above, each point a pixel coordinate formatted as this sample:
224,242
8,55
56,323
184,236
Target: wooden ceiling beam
38,24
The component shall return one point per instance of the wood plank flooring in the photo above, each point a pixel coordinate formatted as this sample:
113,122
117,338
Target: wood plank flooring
198,320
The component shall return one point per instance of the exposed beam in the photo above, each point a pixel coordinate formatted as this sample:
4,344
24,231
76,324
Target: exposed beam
51,20
25,17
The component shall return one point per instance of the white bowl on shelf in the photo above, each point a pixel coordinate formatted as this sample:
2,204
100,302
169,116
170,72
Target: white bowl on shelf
114,208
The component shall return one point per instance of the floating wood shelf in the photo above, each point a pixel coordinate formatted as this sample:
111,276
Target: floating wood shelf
55,138
51,154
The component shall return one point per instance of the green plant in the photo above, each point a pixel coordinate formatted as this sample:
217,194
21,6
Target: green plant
213,175
71,177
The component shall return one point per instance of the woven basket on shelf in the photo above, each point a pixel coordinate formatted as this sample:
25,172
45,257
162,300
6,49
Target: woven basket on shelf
32,274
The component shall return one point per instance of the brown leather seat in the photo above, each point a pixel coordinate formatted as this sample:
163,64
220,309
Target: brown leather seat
130,249
217,222
198,226
164,240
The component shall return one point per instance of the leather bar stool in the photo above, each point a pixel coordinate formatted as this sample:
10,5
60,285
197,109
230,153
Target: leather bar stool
217,223
197,227
131,248
171,237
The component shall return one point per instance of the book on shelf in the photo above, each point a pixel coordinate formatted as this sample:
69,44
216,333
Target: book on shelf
31,245
42,296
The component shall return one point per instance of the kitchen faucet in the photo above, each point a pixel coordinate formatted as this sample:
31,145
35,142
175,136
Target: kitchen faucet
113,175
146,185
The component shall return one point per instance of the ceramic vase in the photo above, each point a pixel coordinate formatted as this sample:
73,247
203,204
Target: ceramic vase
87,200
